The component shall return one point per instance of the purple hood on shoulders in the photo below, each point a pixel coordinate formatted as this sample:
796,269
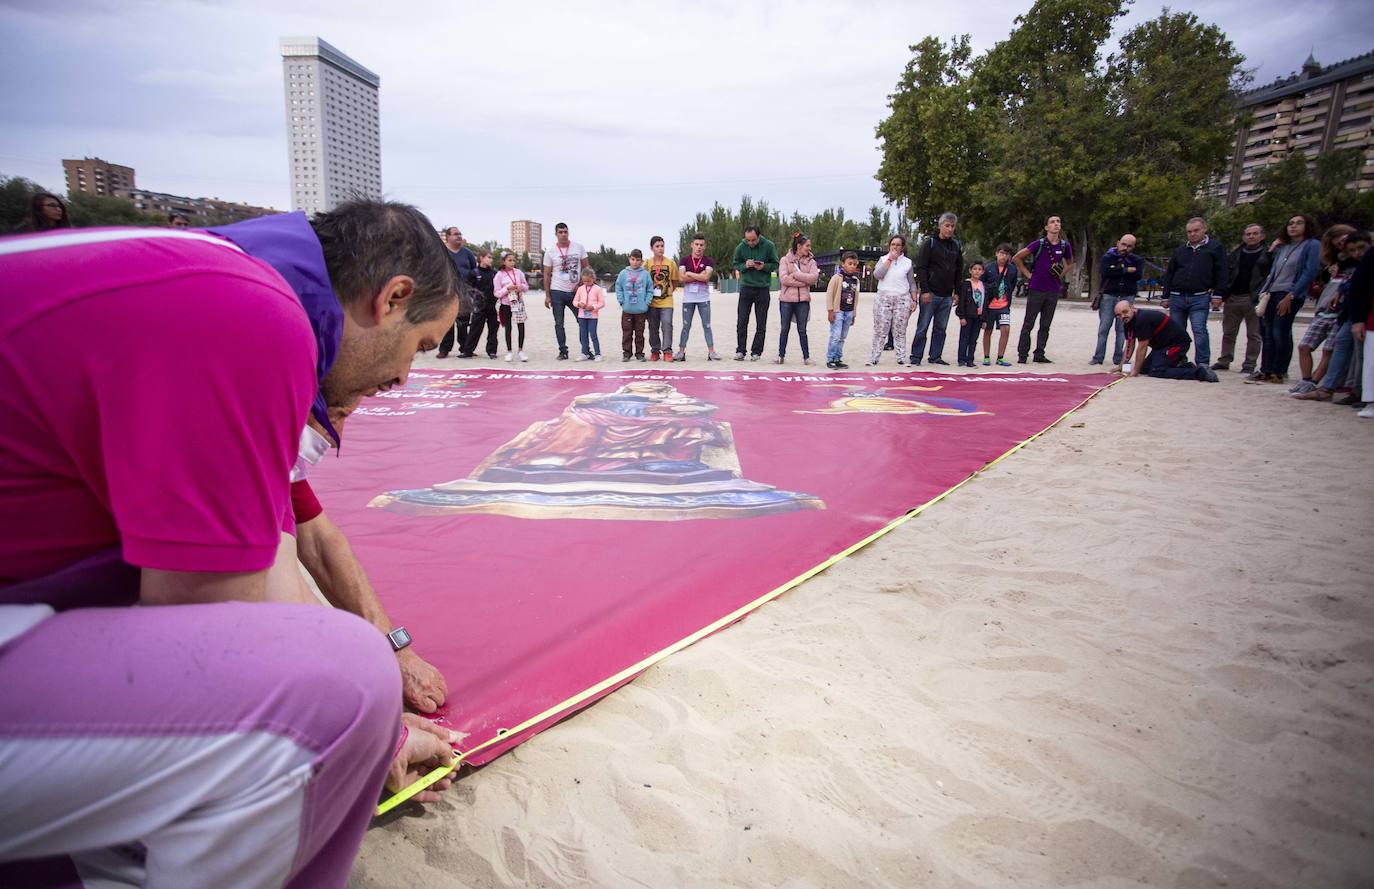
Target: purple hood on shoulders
288,244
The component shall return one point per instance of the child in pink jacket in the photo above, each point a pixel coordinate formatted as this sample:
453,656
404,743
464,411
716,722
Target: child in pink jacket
509,287
588,302
797,272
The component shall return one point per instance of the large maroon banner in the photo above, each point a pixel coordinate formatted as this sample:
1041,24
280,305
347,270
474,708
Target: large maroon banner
544,536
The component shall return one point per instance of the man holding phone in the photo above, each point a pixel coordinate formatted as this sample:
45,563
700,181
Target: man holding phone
756,259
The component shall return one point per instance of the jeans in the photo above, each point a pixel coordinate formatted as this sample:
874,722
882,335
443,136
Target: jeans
586,336
1191,310
661,329
1106,320
1239,307
751,299
938,310
704,310
801,313
1039,304
1341,354
562,300
839,329
1277,333
632,334
968,338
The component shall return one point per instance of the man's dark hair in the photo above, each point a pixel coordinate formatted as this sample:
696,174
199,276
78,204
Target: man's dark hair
1358,237
978,262
562,225
848,255
656,239
636,253
1006,248
751,228
698,237
367,243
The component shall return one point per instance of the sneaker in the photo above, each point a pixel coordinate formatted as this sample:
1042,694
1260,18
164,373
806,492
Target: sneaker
1304,386
597,358
640,358
654,356
937,361
1041,359
1002,362
755,357
562,356
667,356
1317,394
584,358
830,365
1220,366
840,365
625,357
872,361
510,355
1367,413
1021,359
1247,370
808,362
491,356
680,356
1347,400
712,356
901,362
987,362
524,357
1206,375
739,356
778,360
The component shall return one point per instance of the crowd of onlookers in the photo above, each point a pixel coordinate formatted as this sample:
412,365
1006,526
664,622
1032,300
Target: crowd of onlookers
1260,285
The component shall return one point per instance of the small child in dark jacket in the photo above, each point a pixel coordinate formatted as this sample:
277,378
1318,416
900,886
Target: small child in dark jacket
969,310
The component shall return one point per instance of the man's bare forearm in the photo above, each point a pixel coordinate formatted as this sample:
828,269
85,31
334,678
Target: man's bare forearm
325,552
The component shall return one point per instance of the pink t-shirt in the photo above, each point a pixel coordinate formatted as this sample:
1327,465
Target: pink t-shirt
154,393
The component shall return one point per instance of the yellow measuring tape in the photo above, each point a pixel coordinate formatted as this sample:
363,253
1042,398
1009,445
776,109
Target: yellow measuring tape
642,665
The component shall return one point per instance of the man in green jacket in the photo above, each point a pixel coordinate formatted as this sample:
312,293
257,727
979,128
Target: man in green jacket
756,259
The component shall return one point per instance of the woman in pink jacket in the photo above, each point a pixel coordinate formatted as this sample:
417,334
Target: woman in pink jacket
588,302
797,272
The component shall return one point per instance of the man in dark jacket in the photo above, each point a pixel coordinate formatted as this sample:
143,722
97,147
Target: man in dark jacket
1246,269
1120,281
465,263
939,271
1195,282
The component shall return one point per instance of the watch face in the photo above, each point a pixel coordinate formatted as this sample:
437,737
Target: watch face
400,638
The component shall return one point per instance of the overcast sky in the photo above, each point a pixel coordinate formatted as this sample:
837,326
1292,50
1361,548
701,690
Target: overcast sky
623,127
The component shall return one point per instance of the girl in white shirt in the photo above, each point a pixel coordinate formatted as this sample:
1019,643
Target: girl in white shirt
894,301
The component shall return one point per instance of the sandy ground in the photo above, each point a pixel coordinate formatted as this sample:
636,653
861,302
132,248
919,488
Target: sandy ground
1138,652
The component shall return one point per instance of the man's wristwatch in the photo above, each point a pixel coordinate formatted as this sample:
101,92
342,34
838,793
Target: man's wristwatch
399,638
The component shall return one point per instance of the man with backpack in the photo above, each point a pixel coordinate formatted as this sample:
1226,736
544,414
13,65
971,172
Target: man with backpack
939,271
1051,260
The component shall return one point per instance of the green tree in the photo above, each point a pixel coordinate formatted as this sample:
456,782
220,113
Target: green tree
932,143
16,194
92,210
1108,144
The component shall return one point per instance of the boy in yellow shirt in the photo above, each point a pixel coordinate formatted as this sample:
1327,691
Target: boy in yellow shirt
664,275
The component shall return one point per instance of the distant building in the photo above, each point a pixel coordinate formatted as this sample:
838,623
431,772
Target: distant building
334,134
1313,112
207,211
95,176
527,236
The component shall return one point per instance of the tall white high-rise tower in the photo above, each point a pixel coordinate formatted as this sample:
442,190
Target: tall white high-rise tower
334,133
